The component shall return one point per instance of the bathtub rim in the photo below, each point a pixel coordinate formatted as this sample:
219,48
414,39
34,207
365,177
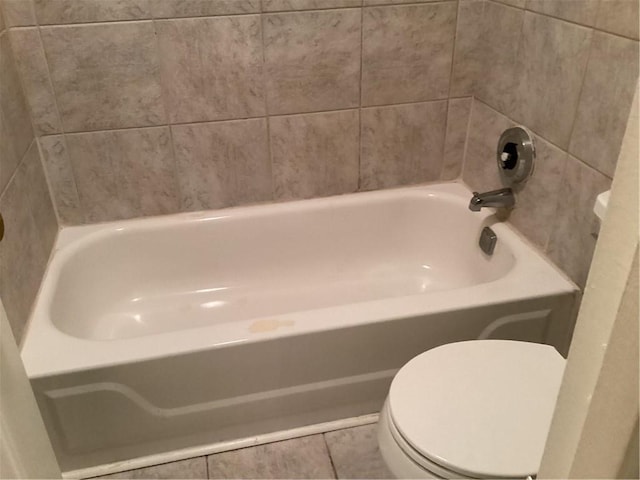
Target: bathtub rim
77,354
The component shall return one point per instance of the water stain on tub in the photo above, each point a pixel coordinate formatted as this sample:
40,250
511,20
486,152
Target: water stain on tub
269,325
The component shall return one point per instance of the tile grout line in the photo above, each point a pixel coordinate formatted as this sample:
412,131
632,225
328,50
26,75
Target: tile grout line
265,91
358,186
200,122
333,466
581,89
18,166
169,126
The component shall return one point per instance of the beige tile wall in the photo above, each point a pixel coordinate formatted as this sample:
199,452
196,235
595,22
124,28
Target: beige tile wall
567,70
30,221
214,103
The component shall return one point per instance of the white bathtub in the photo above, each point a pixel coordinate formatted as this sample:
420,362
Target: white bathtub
183,331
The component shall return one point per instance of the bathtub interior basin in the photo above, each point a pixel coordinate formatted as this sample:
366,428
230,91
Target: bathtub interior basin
135,280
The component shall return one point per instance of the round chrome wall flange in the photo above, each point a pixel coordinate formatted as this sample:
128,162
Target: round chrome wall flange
516,154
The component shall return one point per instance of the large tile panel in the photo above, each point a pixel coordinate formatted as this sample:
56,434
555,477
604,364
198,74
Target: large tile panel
124,173
31,62
498,45
61,179
572,242
315,154
536,200
407,52
18,13
105,75
13,105
212,68
39,200
549,84
458,113
84,11
223,164
467,59
485,127
579,11
619,16
305,457
30,229
605,101
312,60
402,144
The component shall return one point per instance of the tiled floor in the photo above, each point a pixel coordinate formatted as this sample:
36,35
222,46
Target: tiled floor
348,453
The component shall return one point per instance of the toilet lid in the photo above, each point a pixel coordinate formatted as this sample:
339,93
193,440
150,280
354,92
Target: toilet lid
479,408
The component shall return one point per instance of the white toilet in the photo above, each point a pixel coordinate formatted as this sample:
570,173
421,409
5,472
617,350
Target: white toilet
476,409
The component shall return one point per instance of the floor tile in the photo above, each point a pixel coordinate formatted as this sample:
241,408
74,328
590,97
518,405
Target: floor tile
355,453
190,468
305,457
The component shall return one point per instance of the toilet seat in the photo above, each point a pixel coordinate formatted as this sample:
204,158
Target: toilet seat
477,409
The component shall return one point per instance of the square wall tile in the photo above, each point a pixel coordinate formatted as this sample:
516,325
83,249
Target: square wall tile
212,68
55,159
106,76
30,230
31,62
190,468
288,5
316,154
407,52
485,127
305,457
18,13
536,200
9,160
124,173
605,101
39,200
498,45
312,60
578,11
619,16
13,104
52,12
222,164
402,144
467,59
572,242
355,453
549,85
202,8
458,112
